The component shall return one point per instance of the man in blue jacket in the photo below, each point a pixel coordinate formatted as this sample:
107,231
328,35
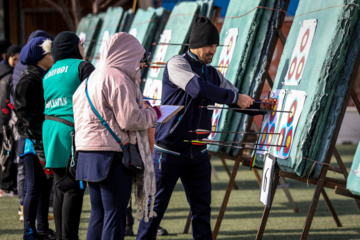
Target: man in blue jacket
189,81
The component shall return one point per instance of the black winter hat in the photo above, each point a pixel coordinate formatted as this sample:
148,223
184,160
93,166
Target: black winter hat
65,45
203,33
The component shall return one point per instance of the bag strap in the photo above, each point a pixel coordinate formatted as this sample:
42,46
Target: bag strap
57,119
101,119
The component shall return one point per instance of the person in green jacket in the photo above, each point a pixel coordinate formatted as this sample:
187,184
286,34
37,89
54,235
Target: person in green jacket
59,84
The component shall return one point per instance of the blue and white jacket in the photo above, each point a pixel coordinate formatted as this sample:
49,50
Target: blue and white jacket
188,81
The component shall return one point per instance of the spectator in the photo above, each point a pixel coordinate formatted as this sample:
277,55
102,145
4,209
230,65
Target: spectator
18,70
115,93
30,105
8,176
59,84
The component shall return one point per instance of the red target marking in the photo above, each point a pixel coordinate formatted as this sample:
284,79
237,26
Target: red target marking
288,141
304,40
280,139
300,68
155,95
292,112
229,45
292,68
263,136
270,136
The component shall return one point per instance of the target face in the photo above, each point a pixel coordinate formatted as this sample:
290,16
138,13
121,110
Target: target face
221,66
280,139
270,136
304,40
215,122
161,52
300,52
230,45
292,113
300,68
263,137
294,104
288,141
292,67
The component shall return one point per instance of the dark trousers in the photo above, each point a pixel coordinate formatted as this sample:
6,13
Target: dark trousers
109,199
67,209
195,175
36,201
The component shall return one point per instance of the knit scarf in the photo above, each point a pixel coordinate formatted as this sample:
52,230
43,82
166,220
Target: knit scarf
144,183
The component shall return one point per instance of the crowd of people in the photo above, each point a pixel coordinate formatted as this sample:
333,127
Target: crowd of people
68,126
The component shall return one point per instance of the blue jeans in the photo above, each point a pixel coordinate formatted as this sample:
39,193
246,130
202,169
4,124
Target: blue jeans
109,199
195,175
36,201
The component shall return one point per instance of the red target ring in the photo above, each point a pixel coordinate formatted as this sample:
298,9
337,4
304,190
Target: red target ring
304,40
300,68
270,136
280,139
288,141
292,112
213,129
263,136
226,67
292,68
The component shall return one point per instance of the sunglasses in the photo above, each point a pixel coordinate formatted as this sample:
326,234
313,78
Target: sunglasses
146,57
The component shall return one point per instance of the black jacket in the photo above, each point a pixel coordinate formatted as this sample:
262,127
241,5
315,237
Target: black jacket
5,90
29,103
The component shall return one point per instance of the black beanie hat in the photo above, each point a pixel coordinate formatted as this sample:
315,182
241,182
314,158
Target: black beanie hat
65,45
203,33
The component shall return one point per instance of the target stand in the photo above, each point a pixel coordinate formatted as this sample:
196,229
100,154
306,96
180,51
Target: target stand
322,181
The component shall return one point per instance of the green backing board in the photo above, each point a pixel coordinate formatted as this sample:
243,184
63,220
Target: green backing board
110,26
246,17
326,60
90,26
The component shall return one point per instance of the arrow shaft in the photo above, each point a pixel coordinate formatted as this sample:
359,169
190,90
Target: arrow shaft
208,132
245,110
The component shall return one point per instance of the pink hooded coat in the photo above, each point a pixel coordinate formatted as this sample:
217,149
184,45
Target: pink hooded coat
115,93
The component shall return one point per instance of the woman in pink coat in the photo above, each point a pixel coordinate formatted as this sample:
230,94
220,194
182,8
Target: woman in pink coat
114,91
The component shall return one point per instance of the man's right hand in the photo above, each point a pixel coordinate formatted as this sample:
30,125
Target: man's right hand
244,101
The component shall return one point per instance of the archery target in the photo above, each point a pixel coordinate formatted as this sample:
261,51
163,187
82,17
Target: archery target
294,105
223,66
263,138
214,122
287,142
153,90
271,119
161,52
300,52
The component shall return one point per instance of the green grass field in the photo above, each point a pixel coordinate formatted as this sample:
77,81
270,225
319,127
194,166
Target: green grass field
243,214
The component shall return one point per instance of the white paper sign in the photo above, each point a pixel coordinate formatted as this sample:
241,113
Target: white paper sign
267,179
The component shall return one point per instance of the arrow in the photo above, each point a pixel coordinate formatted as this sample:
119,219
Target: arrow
178,44
203,131
194,142
212,107
206,140
148,98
